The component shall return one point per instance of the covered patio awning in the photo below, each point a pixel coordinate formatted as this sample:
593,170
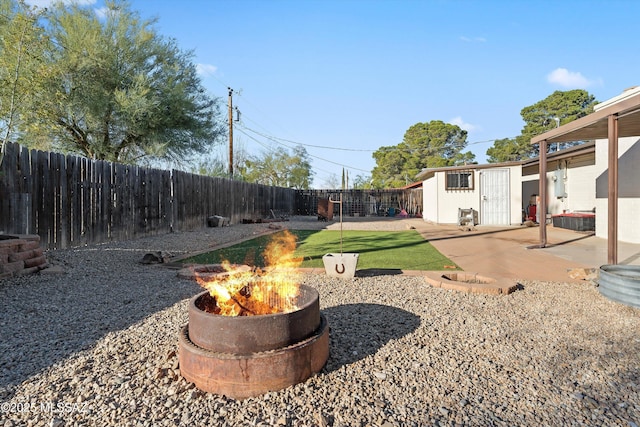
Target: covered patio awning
619,119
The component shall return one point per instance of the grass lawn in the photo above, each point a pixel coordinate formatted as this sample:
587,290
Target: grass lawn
405,250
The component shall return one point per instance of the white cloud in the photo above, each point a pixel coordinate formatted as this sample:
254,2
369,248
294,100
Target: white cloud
569,79
102,12
473,39
206,69
462,124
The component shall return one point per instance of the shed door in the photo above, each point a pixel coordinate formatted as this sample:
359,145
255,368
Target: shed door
494,197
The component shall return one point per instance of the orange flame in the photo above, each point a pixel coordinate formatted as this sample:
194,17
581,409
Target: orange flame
240,292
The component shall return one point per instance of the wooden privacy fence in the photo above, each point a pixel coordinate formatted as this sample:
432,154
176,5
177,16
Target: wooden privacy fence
72,201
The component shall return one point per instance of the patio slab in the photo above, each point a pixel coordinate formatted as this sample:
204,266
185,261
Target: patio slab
513,253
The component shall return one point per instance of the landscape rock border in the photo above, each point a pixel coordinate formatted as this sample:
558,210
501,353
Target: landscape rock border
20,254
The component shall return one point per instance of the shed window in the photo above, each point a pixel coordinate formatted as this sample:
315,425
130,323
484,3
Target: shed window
460,180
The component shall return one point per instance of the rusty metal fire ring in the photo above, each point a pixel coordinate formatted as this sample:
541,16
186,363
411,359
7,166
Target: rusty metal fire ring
242,376
251,334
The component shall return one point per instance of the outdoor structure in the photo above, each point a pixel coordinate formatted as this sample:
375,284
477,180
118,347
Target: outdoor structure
493,190
571,175
628,183
615,125
507,193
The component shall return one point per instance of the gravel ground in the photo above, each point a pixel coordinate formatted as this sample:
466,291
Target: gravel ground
97,346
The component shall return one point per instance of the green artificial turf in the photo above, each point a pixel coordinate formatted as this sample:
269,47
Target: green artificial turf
404,250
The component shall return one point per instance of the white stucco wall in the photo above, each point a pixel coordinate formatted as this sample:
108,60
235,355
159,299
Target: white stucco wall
628,177
578,175
628,207
430,199
441,205
580,185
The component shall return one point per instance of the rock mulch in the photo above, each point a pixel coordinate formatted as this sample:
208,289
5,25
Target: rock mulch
97,345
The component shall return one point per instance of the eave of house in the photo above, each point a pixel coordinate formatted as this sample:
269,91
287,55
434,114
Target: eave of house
595,125
430,172
579,150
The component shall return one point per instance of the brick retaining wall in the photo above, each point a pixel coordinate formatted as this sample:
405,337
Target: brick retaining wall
20,254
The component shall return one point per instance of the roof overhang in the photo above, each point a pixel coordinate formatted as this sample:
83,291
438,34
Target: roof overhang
429,172
588,148
617,118
595,125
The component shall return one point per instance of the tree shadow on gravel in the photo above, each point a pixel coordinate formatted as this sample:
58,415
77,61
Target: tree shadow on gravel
46,319
359,330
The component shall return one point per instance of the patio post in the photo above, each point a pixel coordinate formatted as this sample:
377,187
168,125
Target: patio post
612,196
542,212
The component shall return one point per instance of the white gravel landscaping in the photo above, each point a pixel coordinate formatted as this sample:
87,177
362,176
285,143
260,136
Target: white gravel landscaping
98,345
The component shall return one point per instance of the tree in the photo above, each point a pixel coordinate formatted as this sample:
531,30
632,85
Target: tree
506,150
22,47
279,168
362,182
425,145
211,166
118,91
332,181
557,109
217,163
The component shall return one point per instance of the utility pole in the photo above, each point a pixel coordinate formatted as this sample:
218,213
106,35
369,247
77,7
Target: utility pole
230,133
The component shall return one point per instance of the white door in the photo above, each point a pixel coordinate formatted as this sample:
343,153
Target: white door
494,197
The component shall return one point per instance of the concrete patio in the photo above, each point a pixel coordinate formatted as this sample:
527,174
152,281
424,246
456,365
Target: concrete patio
513,252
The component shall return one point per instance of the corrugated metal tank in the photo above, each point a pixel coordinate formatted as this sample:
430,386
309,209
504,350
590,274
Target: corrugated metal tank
620,283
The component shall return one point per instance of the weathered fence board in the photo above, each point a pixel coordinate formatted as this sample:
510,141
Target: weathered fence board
71,201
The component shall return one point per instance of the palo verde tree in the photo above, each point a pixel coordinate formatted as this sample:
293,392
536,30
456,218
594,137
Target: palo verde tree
118,91
556,109
22,68
425,145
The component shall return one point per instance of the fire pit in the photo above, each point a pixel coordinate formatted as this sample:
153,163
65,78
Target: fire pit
254,331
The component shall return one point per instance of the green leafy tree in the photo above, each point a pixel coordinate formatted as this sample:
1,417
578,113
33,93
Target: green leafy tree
506,150
280,168
362,182
555,110
22,68
118,91
211,166
425,145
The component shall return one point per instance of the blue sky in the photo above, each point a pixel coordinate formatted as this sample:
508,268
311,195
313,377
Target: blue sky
354,75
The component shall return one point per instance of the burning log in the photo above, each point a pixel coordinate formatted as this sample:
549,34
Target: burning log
244,293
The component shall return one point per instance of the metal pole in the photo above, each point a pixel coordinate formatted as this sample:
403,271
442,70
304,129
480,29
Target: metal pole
340,223
612,196
542,213
230,133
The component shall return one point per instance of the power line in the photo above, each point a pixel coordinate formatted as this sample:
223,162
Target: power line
276,139
310,155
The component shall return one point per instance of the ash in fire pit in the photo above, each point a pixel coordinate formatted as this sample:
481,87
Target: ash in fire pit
254,331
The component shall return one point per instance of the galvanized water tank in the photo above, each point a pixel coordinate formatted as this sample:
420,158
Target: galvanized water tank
620,283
